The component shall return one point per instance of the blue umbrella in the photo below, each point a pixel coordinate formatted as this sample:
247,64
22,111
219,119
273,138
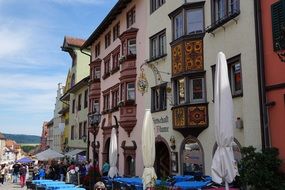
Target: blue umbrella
25,160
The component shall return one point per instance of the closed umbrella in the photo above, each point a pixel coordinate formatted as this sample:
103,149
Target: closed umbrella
223,165
148,151
113,153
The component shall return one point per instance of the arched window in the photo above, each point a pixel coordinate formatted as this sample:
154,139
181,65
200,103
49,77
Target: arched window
236,149
192,159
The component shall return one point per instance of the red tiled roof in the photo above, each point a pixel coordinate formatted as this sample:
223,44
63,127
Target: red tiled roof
74,41
10,143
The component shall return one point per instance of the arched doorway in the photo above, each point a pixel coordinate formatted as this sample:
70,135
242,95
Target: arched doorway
106,151
162,160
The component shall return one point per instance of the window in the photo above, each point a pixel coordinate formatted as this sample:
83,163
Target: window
181,91
115,98
72,133
178,26
158,45
155,4
96,108
108,39
195,20
106,102
197,90
116,58
73,106
80,131
192,154
97,50
116,31
223,9
131,91
96,73
131,17
132,47
79,102
107,67
86,98
278,25
72,80
158,98
85,128
235,75
189,21
190,90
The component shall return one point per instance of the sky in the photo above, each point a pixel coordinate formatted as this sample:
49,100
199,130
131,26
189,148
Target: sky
31,61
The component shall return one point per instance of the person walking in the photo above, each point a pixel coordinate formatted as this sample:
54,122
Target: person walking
105,168
2,173
23,172
16,168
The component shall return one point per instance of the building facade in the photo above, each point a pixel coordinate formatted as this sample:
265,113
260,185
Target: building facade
117,52
2,145
44,136
49,137
75,96
180,69
58,122
272,66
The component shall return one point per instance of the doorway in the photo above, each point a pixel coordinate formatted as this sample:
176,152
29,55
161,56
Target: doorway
162,160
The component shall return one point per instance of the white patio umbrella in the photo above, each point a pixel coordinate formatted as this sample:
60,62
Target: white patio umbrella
148,151
48,154
113,153
224,167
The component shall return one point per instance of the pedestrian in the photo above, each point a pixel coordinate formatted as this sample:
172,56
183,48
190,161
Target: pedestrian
42,173
23,172
2,173
105,168
16,168
27,173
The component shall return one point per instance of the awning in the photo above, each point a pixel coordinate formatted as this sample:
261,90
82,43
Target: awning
48,154
74,152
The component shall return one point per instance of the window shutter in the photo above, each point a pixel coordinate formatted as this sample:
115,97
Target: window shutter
278,25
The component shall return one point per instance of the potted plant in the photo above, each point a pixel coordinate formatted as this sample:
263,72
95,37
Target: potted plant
260,170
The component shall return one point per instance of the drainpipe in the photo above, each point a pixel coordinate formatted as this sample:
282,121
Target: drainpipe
261,75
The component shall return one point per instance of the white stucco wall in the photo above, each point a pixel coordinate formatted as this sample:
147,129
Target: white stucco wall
236,38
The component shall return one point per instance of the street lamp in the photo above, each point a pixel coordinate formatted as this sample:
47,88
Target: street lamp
94,120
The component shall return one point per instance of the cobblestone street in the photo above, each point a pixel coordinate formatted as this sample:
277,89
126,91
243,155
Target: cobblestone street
9,185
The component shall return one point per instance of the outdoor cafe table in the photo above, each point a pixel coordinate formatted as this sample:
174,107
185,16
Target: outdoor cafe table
39,181
53,186
180,178
185,185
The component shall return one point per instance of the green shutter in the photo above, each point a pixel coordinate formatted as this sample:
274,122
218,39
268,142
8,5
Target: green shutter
278,21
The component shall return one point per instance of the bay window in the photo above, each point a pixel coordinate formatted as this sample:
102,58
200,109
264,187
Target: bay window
188,20
132,47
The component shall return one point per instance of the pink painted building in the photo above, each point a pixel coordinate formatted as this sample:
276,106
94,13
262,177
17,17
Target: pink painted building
114,70
272,67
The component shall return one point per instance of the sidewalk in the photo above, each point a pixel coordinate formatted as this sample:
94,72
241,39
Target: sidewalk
9,186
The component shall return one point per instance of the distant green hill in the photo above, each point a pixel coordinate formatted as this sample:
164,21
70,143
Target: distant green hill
23,139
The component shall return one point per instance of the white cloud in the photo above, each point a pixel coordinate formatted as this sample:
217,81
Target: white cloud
30,82
28,93
13,41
